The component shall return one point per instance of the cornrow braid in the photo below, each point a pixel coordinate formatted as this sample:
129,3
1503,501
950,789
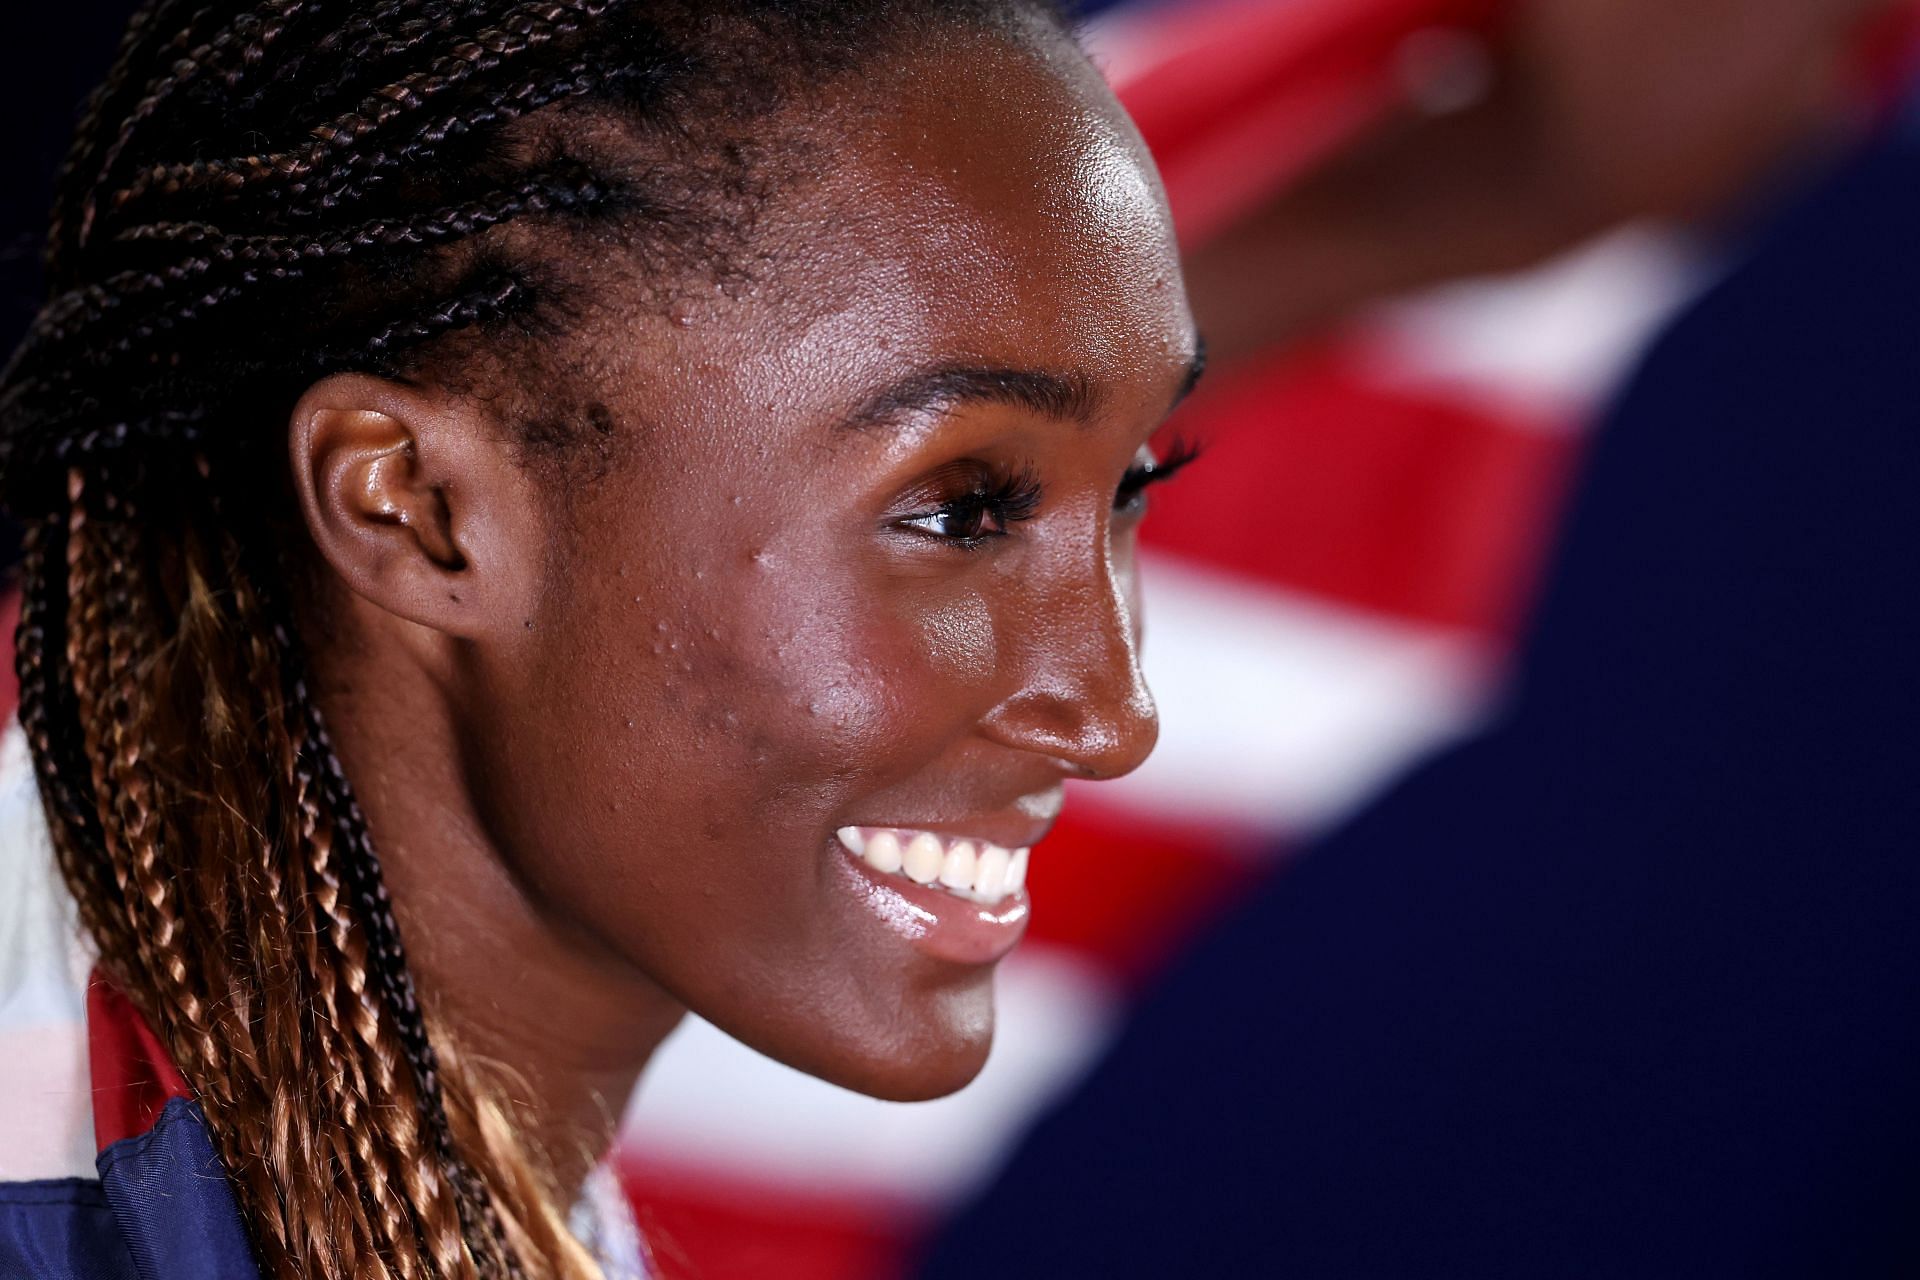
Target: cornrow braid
146,26
486,300
359,175
287,257
523,30
262,26
261,193
366,44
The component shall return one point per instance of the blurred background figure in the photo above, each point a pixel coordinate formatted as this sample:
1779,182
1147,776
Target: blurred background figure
1616,988
1626,986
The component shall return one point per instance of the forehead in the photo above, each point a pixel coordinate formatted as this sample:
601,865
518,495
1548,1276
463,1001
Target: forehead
991,201
971,201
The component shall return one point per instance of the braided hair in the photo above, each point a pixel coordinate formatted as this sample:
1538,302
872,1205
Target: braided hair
261,193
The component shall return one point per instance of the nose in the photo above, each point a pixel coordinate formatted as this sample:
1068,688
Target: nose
1078,694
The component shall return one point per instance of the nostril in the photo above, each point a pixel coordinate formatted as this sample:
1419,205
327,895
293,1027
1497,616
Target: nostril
1077,693
1092,737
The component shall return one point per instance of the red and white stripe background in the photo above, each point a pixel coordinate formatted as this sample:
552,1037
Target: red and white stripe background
1331,593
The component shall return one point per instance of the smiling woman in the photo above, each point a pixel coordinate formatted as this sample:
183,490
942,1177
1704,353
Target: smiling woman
665,476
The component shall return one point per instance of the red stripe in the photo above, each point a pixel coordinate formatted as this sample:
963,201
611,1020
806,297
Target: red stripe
1259,92
1413,504
703,1225
1125,890
1887,54
133,1077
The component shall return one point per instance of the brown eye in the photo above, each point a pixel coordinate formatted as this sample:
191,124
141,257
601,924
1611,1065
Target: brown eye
985,511
966,519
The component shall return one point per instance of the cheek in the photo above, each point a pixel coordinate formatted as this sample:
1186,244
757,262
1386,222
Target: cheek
750,708
847,691
955,646
694,742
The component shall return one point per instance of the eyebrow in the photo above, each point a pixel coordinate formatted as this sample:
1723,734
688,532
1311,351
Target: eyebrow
1069,397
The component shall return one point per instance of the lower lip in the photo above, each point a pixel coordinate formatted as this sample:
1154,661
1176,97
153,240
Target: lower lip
939,924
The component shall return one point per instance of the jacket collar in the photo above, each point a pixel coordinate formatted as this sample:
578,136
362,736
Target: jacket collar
165,1184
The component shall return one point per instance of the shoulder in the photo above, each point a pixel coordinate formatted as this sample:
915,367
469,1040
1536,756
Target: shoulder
159,1203
61,1227
106,1168
602,1221
159,1207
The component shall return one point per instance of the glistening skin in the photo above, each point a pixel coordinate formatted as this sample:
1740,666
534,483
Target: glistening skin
866,562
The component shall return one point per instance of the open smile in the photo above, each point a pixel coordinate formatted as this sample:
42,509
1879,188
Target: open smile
974,869
954,898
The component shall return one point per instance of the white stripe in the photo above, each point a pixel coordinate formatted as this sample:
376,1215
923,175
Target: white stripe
711,1103
46,1114
1281,712
1543,346
46,1120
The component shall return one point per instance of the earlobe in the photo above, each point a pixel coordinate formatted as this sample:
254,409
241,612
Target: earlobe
411,498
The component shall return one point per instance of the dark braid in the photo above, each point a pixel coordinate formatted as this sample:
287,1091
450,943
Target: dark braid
330,163
53,732
263,27
147,25
370,41
369,890
261,193
246,261
286,257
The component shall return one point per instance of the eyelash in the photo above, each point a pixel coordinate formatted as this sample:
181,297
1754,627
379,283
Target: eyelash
1015,497
1179,456
1011,498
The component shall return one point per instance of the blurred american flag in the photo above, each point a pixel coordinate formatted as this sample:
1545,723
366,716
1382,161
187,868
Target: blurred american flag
1331,594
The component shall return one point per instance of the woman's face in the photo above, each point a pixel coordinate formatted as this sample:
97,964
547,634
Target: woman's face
864,562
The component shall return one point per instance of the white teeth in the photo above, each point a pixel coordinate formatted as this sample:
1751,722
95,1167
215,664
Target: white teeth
924,859
1017,871
976,870
990,877
883,852
958,871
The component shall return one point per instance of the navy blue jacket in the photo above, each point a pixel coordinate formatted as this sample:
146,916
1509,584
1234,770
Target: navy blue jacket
161,1206
1631,987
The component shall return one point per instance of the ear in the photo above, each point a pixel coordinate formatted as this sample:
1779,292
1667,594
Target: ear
415,500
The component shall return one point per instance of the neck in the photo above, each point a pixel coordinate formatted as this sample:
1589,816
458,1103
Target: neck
534,1008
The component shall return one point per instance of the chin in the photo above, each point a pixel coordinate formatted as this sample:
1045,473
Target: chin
923,1078
934,1047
